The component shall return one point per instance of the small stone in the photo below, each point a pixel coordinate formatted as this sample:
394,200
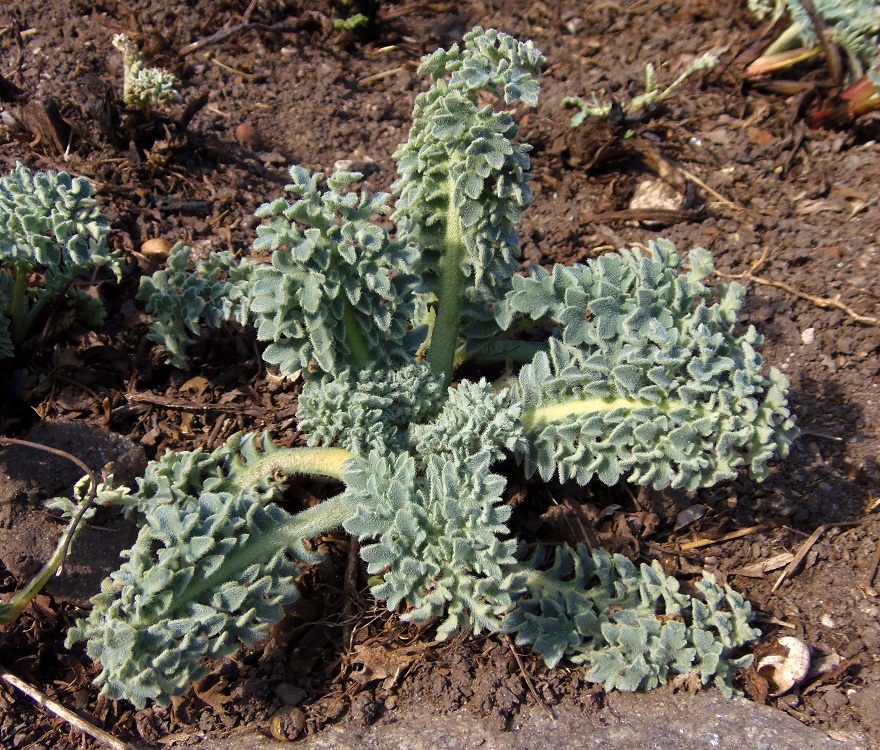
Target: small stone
248,137
158,247
289,694
808,335
835,700
828,622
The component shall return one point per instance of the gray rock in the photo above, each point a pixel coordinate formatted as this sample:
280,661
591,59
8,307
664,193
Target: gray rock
660,720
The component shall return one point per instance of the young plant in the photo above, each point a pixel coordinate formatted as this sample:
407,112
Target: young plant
643,378
144,88
653,93
51,232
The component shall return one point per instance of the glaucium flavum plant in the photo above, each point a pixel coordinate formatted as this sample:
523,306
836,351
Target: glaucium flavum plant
643,379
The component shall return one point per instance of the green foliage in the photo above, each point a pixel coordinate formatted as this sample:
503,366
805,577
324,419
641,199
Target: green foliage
49,224
143,87
352,23
647,381
197,583
217,290
437,537
633,626
368,410
643,378
338,292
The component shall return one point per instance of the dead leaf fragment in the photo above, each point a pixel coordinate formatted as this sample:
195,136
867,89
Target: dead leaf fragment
689,516
381,663
762,567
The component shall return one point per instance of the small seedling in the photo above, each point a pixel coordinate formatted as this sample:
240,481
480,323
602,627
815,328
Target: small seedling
144,88
653,94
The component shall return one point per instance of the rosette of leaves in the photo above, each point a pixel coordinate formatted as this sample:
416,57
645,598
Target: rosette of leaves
183,300
371,409
475,419
643,378
52,226
339,293
633,626
646,381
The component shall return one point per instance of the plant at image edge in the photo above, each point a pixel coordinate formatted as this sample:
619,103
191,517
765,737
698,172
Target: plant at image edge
51,232
642,379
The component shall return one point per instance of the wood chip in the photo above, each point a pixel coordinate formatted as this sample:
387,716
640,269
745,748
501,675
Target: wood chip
760,569
726,538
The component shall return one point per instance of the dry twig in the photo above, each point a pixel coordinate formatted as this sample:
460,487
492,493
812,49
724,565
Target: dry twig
93,485
726,538
46,703
219,36
528,678
801,554
868,583
823,302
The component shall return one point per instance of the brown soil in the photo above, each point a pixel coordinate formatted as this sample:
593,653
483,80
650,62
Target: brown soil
800,214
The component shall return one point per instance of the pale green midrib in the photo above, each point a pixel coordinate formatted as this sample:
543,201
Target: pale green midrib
538,417
260,549
449,292
322,462
357,344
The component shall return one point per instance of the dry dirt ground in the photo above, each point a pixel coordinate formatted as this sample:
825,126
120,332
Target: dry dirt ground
790,211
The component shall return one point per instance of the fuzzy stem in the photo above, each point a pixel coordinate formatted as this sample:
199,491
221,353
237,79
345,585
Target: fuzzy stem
321,462
305,525
534,418
17,328
450,291
9,611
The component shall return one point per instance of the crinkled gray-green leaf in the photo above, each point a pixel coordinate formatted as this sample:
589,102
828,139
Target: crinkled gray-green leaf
338,288
632,626
463,179
437,539
370,409
475,419
182,300
51,219
646,382
179,478
201,580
